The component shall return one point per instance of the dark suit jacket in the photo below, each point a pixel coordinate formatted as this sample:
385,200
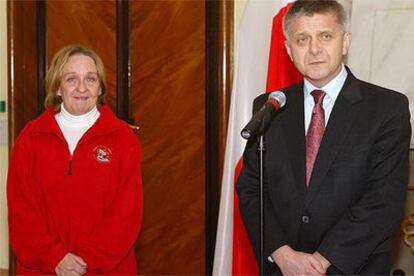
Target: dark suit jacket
357,190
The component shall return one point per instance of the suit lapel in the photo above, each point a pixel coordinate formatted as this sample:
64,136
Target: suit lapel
340,121
293,125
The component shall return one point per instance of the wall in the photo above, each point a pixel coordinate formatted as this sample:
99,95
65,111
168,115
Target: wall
4,249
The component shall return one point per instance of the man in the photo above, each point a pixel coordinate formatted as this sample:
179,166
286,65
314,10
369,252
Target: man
336,162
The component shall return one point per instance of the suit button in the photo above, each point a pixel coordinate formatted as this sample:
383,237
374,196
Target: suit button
305,219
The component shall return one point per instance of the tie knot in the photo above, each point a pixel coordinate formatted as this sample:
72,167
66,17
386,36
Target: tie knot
318,96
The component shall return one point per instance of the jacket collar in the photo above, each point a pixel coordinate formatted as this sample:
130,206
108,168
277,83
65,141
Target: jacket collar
106,123
342,116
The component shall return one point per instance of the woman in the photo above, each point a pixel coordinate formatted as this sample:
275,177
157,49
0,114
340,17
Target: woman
74,184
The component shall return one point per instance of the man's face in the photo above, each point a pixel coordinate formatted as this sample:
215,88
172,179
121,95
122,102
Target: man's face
317,44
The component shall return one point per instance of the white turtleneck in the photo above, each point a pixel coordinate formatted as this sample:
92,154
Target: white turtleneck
74,127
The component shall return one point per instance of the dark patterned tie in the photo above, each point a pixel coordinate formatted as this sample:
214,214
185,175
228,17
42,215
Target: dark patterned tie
315,132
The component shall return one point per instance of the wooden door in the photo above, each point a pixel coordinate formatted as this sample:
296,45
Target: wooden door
161,76
168,102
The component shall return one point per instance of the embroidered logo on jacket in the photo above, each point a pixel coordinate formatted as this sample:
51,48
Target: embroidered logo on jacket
102,154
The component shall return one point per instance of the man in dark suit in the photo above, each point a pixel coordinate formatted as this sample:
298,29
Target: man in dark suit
336,161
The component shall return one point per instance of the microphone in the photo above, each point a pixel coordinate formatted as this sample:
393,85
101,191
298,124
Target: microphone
262,118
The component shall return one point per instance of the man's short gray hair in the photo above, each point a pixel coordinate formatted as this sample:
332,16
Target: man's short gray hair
310,7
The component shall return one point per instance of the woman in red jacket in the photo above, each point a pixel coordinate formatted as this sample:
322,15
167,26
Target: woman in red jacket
74,185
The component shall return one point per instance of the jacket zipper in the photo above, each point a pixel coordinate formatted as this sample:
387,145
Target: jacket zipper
70,166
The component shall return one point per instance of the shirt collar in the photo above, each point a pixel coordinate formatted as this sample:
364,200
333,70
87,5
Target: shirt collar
86,119
332,88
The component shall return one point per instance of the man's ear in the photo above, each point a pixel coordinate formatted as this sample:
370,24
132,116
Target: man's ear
346,43
59,93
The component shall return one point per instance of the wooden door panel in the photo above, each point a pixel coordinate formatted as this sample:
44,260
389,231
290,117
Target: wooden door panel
90,23
168,103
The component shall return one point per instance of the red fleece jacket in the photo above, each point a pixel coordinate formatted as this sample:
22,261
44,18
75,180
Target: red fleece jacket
89,203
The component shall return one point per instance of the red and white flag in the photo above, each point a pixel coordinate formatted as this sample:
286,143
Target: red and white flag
260,33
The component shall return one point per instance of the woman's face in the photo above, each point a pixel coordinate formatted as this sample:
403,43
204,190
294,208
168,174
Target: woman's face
80,86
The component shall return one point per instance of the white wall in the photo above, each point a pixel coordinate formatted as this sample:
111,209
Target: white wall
4,239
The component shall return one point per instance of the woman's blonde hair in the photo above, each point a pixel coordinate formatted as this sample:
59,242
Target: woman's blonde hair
55,72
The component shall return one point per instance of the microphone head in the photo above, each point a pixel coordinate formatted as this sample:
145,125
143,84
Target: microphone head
278,96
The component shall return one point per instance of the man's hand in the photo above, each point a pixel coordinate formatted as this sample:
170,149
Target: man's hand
71,265
325,263
293,262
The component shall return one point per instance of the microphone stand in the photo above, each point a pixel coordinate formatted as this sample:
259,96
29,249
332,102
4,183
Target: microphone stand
261,148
